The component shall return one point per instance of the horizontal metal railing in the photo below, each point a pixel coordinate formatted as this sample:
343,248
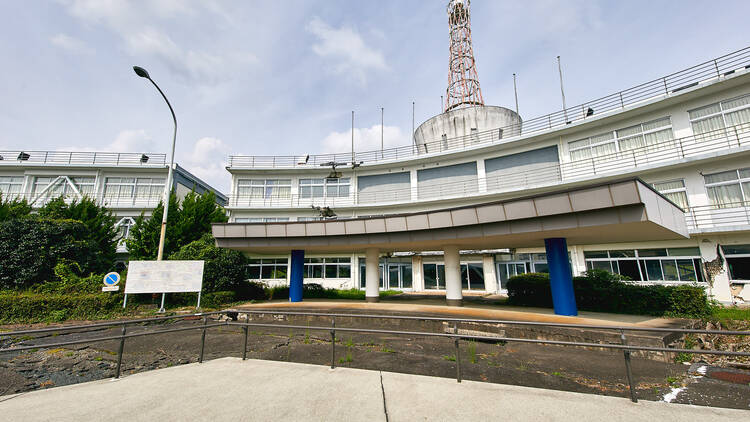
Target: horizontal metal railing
107,200
717,216
456,336
721,67
84,158
616,163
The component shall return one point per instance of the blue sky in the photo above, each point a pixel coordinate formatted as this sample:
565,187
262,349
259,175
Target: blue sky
282,77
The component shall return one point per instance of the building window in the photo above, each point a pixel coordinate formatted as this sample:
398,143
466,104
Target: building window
675,191
134,187
625,139
261,219
264,188
727,113
738,260
123,231
321,188
472,276
267,269
728,189
10,185
662,264
63,186
328,268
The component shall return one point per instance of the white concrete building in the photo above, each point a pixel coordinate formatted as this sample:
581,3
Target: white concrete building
687,134
127,183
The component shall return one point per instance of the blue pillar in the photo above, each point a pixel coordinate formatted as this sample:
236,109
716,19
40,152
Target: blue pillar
560,277
295,276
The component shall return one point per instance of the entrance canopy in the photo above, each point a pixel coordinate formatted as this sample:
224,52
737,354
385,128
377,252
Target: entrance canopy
621,211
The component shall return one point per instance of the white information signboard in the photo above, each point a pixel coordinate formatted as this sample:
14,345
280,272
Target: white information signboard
164,277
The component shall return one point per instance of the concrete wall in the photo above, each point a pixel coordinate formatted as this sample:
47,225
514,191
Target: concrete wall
460,122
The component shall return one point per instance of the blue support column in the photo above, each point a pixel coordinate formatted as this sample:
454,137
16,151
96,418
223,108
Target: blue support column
295,276
560,277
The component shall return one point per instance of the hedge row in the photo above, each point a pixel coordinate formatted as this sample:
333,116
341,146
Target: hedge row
601,291
27,307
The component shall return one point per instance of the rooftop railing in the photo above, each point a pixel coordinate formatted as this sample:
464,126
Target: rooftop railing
712,70
617,163
456,336
83,158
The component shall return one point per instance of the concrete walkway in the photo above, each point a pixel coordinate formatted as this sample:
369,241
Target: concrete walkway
232,389
437,307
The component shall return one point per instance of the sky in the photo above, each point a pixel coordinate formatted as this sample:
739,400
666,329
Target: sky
282,77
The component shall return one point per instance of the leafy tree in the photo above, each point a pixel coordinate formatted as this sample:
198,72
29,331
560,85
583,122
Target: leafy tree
13,209
99,222
30,249
186,222
224,268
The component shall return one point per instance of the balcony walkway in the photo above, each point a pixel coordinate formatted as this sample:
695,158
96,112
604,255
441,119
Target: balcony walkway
232,389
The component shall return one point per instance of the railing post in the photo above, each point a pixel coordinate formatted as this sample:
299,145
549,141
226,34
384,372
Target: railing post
736,135
203,338
628,370
244,349
666,91
119,351
458,352
717,69
333,342
622,103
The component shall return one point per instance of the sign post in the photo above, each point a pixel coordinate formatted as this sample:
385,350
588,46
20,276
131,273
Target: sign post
110,282
164,277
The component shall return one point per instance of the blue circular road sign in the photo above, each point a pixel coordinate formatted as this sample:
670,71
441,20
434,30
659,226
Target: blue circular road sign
112,279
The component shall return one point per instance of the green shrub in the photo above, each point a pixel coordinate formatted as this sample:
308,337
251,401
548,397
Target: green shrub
601,291
29,307
67,280
224,269
530,289
13,209
216,299
30,249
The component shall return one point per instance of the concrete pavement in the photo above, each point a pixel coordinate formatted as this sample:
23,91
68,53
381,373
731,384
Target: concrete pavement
232,389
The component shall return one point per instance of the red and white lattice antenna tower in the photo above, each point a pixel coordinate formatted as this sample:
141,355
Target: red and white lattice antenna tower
463,82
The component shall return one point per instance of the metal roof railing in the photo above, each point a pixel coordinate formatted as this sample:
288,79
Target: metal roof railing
139,159
456,336
719,68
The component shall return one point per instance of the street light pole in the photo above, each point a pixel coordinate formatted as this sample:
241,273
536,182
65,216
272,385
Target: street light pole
168,185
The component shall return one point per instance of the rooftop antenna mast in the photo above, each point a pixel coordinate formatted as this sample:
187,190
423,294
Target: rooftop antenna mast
463,82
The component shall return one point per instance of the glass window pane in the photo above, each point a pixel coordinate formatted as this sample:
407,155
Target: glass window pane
628,131
464,277
724,176
652,252
669,267
655,124
653,269
345,271
331,271
704,111
595,254
735,249
253,272
684,252
267,271
601,265
725,196
736,102
672,184
625,253
476,277
317,271
406,276
686,269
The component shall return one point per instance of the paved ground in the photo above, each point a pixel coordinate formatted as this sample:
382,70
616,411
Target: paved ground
474,307
232,389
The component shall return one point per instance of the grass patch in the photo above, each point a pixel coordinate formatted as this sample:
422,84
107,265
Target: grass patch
731,313
98,358
472,351
385,349
451,358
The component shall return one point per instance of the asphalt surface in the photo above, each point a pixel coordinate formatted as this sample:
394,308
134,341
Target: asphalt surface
232,389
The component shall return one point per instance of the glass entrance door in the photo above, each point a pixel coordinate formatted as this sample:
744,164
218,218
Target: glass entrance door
507,270
434,276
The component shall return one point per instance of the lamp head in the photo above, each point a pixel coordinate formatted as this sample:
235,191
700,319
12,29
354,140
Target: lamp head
141,72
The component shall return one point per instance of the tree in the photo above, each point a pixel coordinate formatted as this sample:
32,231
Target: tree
224,269
99,223
13,209
30,248
186,223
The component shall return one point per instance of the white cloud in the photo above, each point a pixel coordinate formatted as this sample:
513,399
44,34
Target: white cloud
73,45
365,139
207,160
345,50
136,23
131,141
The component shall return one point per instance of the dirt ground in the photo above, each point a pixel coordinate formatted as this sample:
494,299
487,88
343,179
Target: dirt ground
533,365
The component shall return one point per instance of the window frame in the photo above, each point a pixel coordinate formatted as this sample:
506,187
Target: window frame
616,139
738,181
645,259
722,112
307,187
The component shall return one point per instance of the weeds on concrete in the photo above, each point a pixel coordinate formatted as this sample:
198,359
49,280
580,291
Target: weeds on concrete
451,358
472,351
688,343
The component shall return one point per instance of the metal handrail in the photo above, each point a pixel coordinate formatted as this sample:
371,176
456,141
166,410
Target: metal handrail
721,67
13,157
455,336
728,138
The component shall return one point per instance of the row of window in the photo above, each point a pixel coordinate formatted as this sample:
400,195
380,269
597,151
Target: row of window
114,187
282,188
725,189
662,264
